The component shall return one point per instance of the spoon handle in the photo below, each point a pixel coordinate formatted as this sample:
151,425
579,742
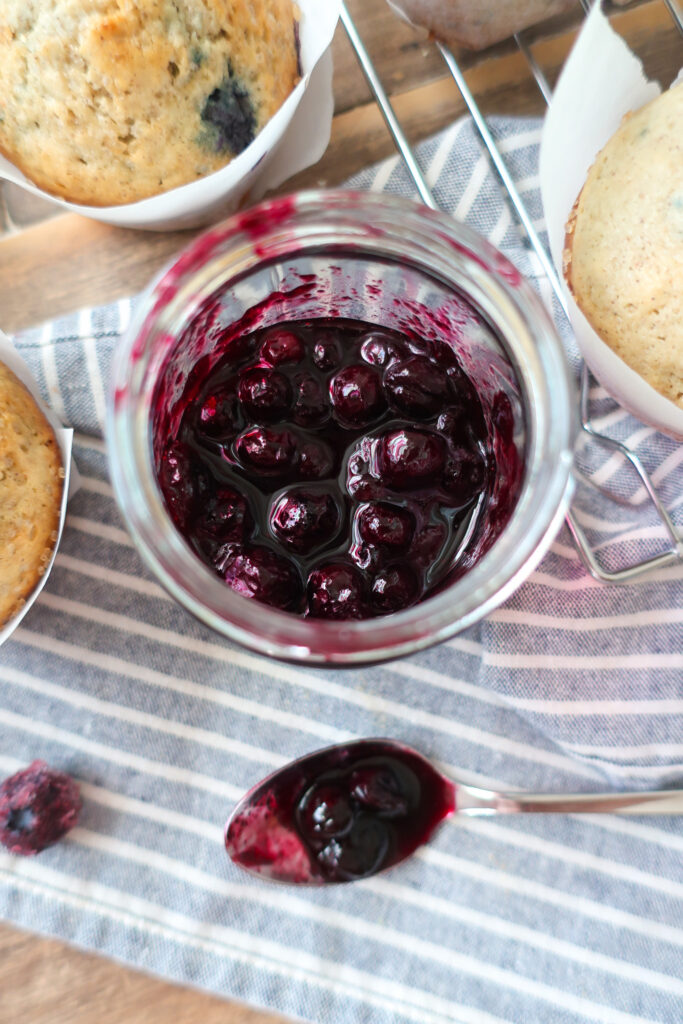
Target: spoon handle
476,802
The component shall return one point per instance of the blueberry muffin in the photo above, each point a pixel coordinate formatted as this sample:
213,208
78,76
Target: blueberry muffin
31,482
623,256
111,101
480,24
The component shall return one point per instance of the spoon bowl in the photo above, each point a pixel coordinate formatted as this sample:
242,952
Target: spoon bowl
351,810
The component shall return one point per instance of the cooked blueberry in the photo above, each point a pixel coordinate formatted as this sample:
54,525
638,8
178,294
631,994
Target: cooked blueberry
324,811
310,404
225,516
282,346
267,451
229,116
219,413
465,402
445,356
327,353
380,522
428,544
378,347
366,556
316,460
453,425
37,807
411,458
361,853
180,481
465,475
416,386
261,574
361,471
265,394
336,592
303,519
379,790
363,487
357,394
394,588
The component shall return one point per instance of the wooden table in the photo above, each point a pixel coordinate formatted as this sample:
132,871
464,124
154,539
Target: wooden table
57,264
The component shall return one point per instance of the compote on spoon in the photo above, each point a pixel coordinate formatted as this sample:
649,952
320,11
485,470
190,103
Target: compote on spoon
349,811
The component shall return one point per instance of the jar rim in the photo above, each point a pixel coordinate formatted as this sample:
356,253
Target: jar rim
531,341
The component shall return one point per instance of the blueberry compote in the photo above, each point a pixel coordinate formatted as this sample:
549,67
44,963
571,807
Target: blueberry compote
330,468
340,814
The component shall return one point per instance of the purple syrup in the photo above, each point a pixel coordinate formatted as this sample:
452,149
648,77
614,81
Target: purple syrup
341,814
331,468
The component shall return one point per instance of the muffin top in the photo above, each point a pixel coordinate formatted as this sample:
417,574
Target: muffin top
624,246
31,482
110,101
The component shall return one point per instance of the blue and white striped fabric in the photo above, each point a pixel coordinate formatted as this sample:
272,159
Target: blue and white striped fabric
571,685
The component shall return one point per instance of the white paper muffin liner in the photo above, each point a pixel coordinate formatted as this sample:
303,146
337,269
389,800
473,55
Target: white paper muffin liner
10,357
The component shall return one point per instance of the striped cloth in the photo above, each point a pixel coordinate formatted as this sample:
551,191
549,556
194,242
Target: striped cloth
572,685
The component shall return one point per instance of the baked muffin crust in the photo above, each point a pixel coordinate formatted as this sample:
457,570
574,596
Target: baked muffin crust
623,255
31,483
110,101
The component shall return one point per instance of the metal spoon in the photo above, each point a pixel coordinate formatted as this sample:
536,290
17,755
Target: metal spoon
354,809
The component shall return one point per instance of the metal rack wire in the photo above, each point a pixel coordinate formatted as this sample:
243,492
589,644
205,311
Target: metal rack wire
674,553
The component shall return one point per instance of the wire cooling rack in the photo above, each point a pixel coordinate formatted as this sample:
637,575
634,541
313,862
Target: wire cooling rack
674,553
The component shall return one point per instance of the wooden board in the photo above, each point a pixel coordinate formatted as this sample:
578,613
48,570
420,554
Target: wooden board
46,982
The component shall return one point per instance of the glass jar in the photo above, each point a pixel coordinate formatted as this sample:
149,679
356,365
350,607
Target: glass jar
391,263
